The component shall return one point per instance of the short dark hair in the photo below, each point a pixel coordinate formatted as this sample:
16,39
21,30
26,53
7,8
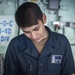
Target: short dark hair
28,14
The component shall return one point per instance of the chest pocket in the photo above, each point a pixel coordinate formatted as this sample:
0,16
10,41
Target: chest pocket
54,63
54,68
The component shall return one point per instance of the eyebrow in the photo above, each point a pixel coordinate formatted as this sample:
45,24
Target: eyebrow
32,30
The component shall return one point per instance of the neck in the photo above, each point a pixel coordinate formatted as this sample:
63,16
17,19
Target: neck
46,34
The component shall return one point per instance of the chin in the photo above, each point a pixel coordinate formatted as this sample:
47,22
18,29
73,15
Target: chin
36,41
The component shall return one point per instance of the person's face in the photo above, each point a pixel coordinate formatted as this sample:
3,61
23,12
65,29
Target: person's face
36,32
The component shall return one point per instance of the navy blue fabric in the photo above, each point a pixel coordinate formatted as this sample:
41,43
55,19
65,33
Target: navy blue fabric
22,57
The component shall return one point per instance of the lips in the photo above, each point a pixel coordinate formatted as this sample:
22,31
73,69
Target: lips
36,39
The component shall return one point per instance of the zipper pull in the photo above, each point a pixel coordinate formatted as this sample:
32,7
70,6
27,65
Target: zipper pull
30,67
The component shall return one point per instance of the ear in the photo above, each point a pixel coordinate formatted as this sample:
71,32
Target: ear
44,18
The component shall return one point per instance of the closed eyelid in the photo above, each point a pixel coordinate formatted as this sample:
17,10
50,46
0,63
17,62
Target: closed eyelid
37,28
26,31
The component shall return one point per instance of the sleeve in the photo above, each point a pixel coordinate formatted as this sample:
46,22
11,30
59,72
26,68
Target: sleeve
10,61
68,61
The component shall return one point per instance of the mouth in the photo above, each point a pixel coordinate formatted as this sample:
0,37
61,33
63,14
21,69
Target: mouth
36,40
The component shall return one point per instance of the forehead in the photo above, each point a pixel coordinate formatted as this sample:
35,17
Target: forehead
29,28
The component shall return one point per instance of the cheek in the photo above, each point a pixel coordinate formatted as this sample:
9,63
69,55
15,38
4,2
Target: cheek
38,34
28,35
42,32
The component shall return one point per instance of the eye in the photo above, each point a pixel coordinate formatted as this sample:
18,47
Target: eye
36,29
27,32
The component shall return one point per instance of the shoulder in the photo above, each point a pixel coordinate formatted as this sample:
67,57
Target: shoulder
19,41
19,38
61,39
56,35
59,36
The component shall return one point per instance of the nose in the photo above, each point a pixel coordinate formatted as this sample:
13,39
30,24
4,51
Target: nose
33,35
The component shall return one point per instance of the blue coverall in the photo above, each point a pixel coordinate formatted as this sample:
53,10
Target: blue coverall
22,57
